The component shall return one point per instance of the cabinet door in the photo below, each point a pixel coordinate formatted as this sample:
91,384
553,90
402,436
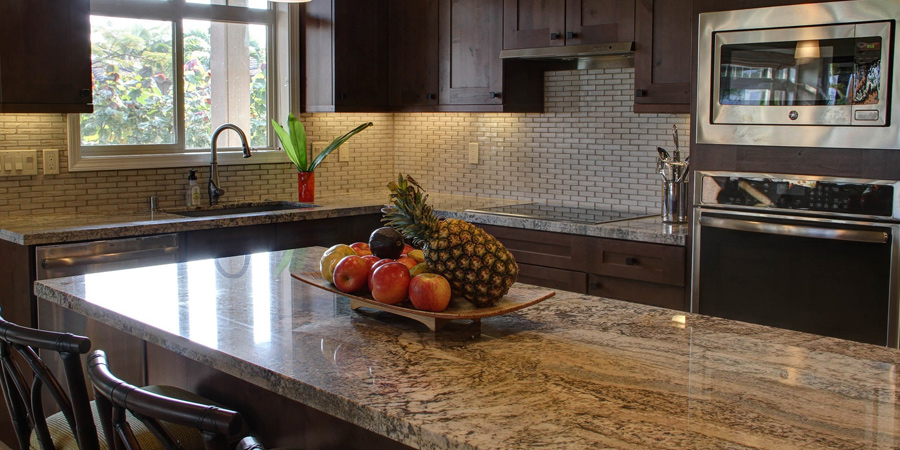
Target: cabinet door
565,280
599,21
533,23
45,56
470,43
662,58
414,58
343,39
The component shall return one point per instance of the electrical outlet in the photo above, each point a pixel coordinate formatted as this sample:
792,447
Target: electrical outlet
18,162
344,152
51,161
317,148
473,153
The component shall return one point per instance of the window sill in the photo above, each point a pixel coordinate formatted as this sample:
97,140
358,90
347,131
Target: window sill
226,157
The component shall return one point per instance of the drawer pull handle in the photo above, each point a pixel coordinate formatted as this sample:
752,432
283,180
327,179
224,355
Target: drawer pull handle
630,261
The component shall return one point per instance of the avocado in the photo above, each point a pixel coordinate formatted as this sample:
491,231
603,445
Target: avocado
386,242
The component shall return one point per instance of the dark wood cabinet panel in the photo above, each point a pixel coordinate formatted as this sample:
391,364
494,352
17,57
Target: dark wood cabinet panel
643,292
553,23
599,21
637,261
533,23
470,43
662,57
345,56
45,56
414,60
541,248
566,280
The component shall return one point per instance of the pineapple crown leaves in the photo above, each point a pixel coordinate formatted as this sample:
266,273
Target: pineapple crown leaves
293,140
410,214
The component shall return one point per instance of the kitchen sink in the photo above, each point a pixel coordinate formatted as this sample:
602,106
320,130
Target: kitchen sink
241,208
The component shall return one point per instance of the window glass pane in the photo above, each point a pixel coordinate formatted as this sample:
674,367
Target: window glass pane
256,4
133,90
225,81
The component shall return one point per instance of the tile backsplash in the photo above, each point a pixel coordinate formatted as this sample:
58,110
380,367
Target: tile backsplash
587,149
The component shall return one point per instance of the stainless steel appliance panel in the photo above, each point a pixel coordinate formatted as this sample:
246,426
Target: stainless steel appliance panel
870,123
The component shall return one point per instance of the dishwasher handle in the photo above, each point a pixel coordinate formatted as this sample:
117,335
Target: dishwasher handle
867,236
55,263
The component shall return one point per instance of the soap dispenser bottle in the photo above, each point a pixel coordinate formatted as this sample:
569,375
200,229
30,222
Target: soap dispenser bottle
193,191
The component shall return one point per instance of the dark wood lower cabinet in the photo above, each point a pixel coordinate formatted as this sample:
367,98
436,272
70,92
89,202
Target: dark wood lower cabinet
641,272
278,421
566,280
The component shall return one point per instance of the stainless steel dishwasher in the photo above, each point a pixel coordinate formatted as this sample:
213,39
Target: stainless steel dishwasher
126,353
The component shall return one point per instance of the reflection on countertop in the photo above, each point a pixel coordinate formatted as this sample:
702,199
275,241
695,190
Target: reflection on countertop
72,227
573,372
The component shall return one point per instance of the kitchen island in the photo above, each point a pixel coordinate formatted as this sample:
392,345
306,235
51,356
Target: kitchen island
573,372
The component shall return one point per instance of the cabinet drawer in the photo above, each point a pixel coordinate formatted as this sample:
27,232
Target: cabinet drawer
654,294
565,280
641,261
561,251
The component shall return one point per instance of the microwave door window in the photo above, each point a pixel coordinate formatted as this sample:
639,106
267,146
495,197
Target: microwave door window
790,73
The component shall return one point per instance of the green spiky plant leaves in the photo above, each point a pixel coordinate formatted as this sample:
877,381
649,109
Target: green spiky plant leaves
293,140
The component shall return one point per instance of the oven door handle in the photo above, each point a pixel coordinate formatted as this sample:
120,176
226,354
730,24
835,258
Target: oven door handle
877,237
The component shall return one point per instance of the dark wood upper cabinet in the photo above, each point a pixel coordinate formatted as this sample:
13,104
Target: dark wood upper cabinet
470,43
662,57
414,61
549,23
599,21
45,56
345,56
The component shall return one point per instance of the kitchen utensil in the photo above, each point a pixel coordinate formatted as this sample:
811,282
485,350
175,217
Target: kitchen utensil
663,154
677,154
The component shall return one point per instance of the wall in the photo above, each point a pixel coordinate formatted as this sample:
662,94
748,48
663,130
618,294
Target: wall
587,149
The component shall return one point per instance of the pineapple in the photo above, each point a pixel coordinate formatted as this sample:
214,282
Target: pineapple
475,263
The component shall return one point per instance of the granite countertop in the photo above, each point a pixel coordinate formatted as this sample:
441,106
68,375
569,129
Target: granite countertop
73,227
572,372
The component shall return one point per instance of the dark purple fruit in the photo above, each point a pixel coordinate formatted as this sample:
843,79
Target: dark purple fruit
386,242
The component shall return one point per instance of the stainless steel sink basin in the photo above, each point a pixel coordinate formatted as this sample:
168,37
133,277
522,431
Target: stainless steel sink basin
241,208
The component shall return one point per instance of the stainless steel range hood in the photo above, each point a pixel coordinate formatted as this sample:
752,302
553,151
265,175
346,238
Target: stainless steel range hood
589,56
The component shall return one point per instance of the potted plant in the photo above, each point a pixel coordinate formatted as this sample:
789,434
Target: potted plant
293,140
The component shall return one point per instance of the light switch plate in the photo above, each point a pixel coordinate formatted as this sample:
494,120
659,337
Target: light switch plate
344,152
473,153
18,162
51,161
317,148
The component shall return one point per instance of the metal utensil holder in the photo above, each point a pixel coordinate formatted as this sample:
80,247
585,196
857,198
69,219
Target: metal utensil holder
675,190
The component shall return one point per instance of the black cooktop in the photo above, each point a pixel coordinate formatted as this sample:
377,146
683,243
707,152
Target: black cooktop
558,212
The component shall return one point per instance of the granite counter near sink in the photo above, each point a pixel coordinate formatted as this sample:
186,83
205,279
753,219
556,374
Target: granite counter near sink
73,227
573,372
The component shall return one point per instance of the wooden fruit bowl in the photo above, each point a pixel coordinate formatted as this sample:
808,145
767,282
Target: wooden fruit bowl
459,309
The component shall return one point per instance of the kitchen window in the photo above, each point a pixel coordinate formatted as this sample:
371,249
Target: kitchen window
166,73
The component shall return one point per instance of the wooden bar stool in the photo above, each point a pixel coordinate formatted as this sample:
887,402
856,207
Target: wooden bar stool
219,427
73,428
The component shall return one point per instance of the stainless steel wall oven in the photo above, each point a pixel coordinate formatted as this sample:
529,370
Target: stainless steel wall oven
813,254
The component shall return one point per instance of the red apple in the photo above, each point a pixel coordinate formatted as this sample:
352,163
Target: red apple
407,248
429,292
361,248
377,264
390,283
370,260
350,274
409,262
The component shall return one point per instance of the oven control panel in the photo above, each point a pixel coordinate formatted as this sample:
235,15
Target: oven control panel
817,194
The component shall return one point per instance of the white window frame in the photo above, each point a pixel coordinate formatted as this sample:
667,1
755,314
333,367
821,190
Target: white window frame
283,54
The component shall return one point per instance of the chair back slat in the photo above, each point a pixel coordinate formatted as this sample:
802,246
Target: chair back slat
24,400
115,396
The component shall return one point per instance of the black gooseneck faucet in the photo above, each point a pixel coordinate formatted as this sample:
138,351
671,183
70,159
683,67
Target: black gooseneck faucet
214,190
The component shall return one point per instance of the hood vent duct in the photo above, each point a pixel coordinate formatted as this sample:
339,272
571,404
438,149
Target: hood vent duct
589,56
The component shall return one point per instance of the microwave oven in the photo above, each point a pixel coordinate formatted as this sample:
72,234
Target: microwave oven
808,75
